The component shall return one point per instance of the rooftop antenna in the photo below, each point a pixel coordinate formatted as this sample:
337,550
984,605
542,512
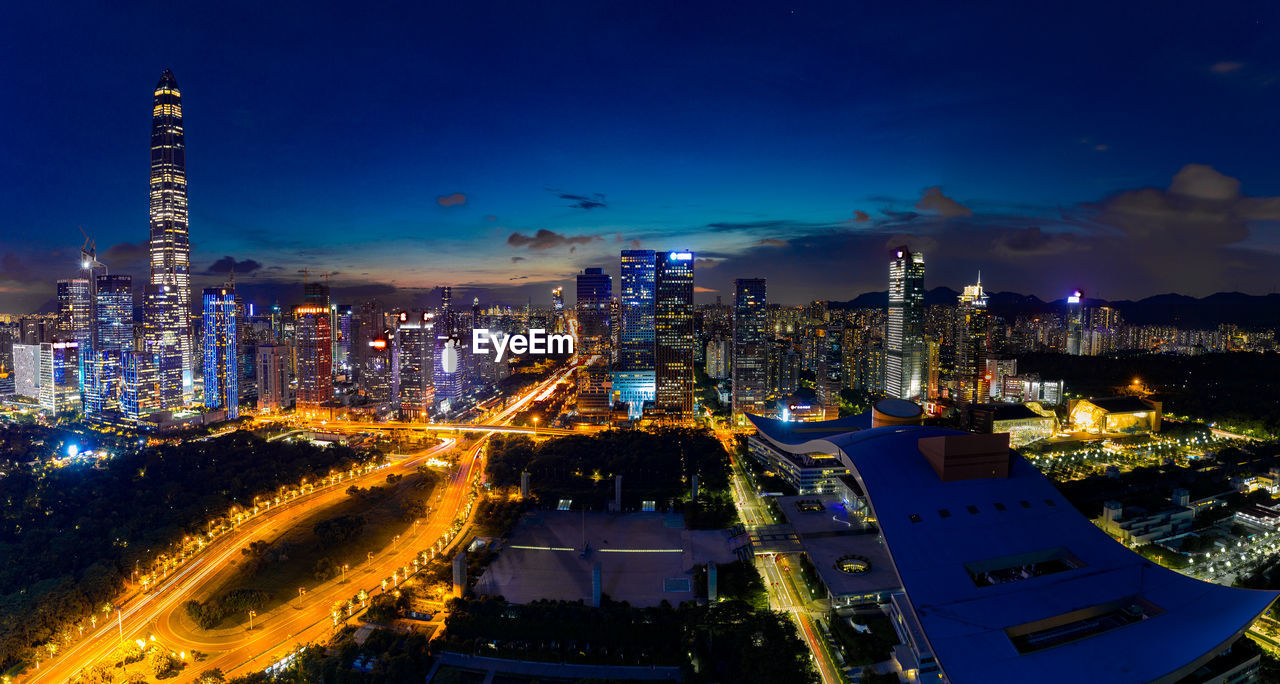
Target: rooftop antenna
89,255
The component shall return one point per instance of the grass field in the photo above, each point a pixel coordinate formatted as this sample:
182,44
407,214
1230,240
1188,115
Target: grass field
292,558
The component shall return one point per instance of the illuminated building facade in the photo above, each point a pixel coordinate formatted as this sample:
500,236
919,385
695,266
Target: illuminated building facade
113,335
26,370
595,290
170,244
638,293
415,342
971,351
139,388
1075,323
717,358
673,336
377,377
904,368
750,359
75,314
314,348
221,351
162,332
114,312
446,375
273,378
1115,415
59,364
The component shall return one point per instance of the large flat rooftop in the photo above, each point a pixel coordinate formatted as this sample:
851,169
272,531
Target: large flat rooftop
645,558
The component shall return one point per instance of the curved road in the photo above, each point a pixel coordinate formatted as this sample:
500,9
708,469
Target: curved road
275,633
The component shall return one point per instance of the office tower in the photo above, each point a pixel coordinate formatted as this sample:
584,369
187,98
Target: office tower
633,380
58,384
1075,323
446,376
273,378
114,312
376,378
162,332
170,241
717,364
904,333
444,318
314,349
415,341
221,351
100,361
638,295
971,351
673,335
345,325
750,347
784,368
75,311
595,292
139,393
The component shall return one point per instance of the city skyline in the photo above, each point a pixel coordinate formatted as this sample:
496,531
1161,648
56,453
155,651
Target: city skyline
1041,192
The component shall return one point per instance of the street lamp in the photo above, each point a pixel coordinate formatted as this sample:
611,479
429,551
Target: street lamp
251,614
344,572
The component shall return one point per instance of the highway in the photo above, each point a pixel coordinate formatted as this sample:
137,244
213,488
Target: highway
784,592
299,621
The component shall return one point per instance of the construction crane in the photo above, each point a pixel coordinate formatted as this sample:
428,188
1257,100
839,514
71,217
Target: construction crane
89,255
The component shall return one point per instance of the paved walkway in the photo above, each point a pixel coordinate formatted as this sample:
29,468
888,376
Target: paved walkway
493,666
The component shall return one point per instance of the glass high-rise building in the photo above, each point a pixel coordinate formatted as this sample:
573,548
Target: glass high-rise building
1075,323
750,358
162,339
75,310
971,350
114,312
415,365
638,293
673,335
170,244
221,351
139,395
314,345
595,289
904,373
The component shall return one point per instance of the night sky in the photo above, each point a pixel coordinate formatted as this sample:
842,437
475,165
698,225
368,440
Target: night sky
1128,149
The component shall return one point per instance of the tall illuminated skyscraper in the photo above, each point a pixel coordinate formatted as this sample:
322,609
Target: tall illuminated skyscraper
750,347
415,364
314,350
971,351
113,320
170,244
1075,323
904,334
75,310
161,340
632,380
673,336
595,289
221,351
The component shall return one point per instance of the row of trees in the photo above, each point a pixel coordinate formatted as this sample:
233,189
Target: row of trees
74,534
208,614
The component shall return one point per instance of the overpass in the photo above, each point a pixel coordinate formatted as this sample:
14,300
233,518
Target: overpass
356,426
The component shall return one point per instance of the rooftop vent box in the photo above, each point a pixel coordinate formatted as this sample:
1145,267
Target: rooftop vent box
968,457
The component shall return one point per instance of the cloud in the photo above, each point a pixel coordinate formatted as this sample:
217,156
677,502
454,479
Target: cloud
456,199
1100,147
699,288
1226,67
771,242
546,239
517,259
595,200
16,270
228,264
861,216
701,262
491,218
935,202
635,244
1033,241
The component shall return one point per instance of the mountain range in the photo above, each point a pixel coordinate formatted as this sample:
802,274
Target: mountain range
1247,311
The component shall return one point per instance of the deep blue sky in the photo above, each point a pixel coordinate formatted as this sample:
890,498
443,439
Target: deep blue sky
1124,148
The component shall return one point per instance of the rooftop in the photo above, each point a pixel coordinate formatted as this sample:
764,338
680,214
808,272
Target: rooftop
1011,583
